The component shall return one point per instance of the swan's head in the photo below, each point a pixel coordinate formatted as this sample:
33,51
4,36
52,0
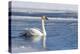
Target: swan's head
44,18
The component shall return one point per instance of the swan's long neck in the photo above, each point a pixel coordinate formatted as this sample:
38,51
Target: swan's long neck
44,33
43,28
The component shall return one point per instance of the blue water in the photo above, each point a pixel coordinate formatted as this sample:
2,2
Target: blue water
61,35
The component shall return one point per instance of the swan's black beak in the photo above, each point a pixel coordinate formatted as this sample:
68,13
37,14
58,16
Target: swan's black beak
46,18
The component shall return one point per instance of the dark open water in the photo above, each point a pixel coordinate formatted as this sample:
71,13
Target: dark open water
61,35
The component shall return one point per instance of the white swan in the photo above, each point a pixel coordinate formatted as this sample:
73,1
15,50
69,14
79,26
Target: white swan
35,34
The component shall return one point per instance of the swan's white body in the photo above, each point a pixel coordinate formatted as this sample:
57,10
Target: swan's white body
36,34
34,31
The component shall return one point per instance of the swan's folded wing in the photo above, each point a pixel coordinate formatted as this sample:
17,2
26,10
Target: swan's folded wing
34,31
